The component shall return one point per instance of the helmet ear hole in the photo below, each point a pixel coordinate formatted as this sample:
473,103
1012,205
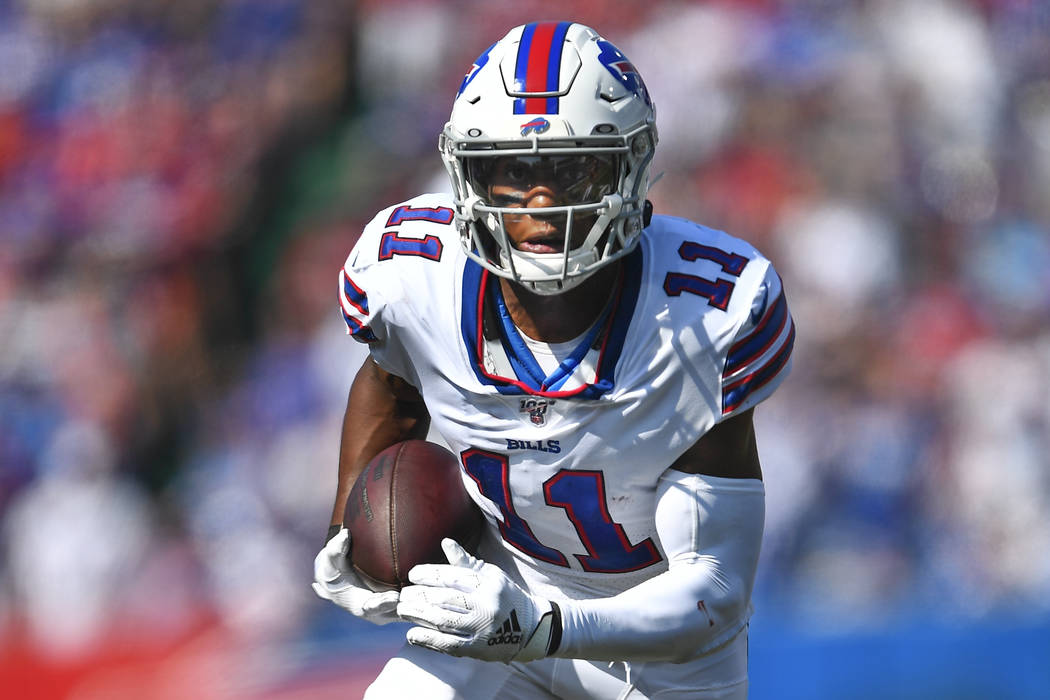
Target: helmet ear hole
647,213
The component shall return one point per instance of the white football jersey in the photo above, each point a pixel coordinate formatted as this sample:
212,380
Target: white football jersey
564,460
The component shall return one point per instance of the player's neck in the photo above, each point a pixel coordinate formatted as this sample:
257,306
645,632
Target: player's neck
560,317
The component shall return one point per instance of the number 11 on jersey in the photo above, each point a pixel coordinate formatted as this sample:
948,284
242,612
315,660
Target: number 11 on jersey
581,494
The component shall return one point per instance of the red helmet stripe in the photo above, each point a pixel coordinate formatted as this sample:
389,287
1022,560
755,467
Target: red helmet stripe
539,66
536,73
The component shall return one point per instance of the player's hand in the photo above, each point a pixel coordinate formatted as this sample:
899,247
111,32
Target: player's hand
335,580
470,608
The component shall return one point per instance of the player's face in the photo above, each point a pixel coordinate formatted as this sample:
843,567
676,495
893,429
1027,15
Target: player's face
530,182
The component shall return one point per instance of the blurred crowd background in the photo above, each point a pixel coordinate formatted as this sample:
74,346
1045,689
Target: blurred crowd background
180,182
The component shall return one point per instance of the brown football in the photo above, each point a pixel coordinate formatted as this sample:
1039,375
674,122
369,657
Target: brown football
406,500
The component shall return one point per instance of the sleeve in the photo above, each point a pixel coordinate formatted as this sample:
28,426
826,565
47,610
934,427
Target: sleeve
711,530
759,359
354,303
370,290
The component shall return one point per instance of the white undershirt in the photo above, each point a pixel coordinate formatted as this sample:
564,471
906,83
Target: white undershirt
550,355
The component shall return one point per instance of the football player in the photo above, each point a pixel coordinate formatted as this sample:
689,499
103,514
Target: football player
594,366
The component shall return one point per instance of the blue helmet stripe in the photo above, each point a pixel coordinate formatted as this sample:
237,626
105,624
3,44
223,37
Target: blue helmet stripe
521,68
554,65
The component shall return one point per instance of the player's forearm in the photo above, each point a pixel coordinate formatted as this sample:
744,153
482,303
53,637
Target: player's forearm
701,602
380,411
674,617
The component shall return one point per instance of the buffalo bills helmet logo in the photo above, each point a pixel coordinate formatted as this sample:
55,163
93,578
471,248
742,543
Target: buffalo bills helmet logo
473,72
623,70
537,126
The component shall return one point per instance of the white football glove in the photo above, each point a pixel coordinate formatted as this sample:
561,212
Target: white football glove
470,608
336,580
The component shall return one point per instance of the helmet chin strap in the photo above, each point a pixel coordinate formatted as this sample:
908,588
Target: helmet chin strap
530,269
529,266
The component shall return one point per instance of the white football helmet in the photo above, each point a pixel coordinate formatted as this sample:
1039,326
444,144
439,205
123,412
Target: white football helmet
555,92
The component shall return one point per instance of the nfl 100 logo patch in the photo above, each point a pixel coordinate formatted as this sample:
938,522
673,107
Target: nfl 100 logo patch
537,409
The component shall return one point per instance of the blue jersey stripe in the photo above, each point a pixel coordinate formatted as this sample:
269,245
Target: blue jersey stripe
739,391
354,294
751,348
621,322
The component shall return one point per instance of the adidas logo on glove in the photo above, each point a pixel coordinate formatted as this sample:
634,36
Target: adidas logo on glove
510,633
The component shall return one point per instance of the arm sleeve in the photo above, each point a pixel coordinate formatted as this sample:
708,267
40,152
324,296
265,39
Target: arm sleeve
759,358
711,531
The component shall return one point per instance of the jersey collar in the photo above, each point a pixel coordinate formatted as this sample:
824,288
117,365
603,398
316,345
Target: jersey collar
484,319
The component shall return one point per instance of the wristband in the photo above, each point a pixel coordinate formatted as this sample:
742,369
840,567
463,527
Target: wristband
555,639
545,638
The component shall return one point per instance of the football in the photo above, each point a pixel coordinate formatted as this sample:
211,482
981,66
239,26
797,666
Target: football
406,500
